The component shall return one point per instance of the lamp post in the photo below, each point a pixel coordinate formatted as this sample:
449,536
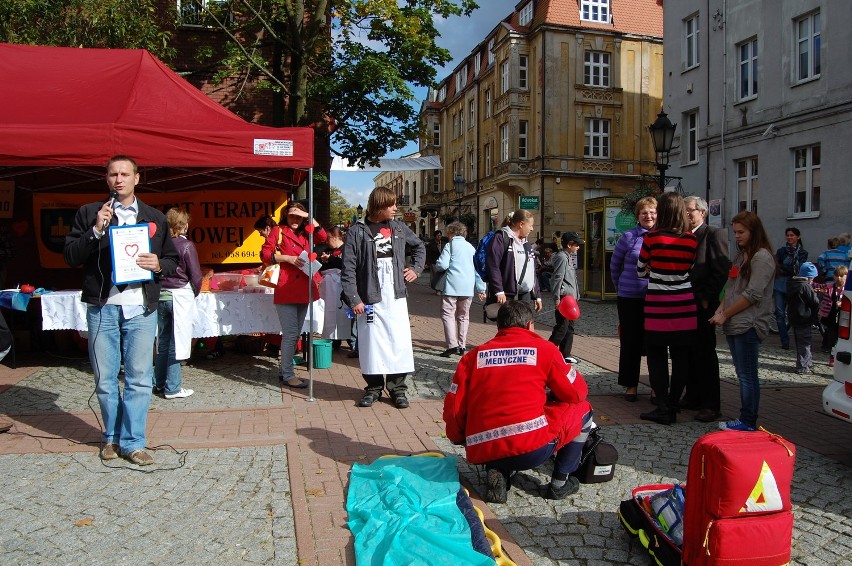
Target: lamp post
458,185
360,210
662,136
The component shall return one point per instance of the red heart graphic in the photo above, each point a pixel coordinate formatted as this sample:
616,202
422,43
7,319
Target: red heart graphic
131,249
152,229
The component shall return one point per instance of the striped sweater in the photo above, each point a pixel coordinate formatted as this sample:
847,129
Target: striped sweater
666,259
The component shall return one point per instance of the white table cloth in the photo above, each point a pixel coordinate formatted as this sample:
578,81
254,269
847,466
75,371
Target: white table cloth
216,314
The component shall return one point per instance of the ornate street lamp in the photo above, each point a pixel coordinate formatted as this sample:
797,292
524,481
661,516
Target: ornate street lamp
662,136
360,210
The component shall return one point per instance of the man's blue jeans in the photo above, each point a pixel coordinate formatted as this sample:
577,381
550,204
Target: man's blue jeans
111,338
745,351
168,375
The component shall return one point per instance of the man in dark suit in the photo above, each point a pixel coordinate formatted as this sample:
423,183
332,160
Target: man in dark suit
708,277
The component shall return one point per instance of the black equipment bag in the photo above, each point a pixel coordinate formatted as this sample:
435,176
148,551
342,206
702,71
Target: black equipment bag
597,464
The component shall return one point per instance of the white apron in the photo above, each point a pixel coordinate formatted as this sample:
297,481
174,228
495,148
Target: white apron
384,338
183,310
336,325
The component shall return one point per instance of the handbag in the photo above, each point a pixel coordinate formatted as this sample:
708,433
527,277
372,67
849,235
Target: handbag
438,279
269,276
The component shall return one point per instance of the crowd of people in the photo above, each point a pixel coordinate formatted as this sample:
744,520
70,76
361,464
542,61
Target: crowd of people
673,277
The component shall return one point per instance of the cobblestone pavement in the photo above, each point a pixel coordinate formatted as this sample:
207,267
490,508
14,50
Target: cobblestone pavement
273,492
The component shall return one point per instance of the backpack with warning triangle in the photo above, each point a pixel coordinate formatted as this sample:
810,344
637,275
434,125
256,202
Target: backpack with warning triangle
736,505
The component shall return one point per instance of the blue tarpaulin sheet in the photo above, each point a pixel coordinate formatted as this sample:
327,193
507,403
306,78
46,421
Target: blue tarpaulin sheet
404,511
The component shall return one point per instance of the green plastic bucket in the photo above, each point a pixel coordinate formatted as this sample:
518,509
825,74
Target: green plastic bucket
322,354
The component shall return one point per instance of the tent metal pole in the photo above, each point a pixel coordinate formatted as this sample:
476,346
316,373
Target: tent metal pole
309,352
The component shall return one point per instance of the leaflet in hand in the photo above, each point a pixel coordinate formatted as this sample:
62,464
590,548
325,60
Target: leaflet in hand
310,267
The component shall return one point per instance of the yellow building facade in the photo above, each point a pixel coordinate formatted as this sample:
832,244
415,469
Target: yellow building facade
549,111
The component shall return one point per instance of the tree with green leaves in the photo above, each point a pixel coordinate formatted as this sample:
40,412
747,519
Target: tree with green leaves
341,211
128,24
346,67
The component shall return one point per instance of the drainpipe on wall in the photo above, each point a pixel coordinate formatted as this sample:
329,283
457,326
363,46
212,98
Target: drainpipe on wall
543,122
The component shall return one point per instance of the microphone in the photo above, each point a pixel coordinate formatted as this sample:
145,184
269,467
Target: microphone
113,196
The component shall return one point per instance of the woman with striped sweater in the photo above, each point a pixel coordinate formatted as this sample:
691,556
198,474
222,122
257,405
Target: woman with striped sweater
666,257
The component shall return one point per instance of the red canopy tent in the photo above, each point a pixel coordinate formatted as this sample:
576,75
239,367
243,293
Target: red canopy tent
65,111
68,106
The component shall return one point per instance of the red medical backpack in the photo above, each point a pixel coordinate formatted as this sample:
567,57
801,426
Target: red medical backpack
737,507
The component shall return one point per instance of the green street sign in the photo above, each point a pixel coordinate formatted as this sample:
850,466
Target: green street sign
528,202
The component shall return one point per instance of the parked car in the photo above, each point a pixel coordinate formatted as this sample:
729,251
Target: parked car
837,396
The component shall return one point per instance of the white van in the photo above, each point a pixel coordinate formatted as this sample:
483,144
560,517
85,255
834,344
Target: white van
837,396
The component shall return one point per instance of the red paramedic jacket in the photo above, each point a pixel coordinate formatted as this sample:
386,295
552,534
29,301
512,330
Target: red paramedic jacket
497,404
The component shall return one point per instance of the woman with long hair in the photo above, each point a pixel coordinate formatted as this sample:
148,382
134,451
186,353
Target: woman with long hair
788,258
284,245
666,257
630,290
746,310
374,280
177,303
462,281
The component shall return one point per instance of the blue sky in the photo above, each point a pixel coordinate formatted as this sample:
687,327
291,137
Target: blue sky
459,36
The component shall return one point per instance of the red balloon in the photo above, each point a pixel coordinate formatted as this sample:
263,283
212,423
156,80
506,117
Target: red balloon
309,228
312,256
569,308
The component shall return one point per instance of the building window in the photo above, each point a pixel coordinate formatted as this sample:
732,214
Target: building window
436,182
807,182
690,42
747,184
455,125
523,61
504,143
526,15
488,103
596,71
471,163
491,55
461,120
595,11
523,126
442,93
597,139
461,79
690,150
504,76
471,110
436,134
195,12
807,46
748,69
476,62
413,193
487,151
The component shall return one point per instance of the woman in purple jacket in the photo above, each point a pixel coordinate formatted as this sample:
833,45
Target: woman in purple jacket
631,296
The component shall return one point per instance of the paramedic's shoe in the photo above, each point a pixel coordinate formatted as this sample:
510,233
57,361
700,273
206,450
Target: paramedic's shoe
571,360
495,483
736,425
571,486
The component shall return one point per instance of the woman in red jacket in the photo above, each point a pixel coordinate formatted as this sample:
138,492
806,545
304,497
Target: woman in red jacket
284,245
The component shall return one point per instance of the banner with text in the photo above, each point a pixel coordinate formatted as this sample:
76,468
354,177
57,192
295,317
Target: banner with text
221,223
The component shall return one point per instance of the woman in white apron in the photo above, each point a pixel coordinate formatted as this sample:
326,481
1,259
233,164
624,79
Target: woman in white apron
336,324
374,279
177,303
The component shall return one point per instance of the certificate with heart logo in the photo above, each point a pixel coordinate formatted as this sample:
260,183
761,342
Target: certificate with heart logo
126,243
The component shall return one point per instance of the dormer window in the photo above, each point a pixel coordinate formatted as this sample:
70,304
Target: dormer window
597,11
526,15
